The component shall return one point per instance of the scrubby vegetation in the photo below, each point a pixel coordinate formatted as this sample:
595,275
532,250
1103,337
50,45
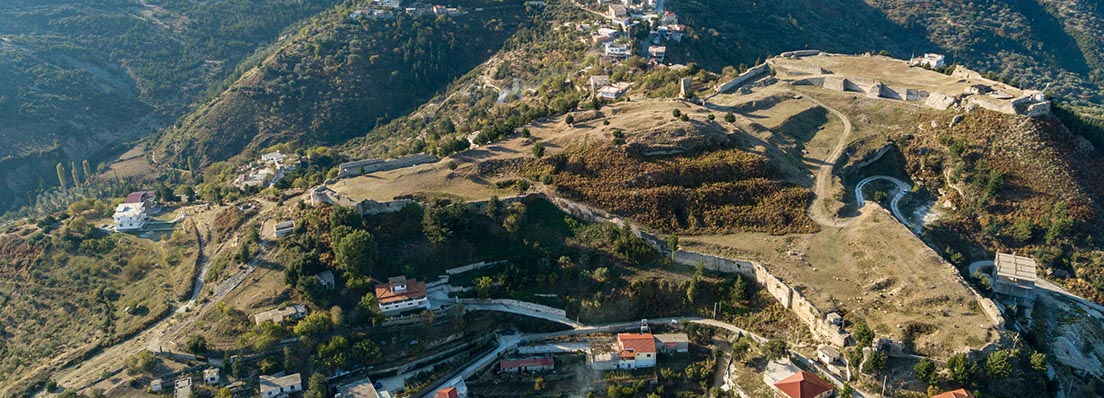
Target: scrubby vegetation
720,191
68,287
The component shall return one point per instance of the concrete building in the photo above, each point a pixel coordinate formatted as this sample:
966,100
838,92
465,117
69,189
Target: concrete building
183,388
272,386
828,355
613,91
400,294
283,228
130,216
274,158
211,376
929,60
597,82
657,52
1015,279
620,50
280,315
526,365
673,342
617,11
803,384
360,389
155,385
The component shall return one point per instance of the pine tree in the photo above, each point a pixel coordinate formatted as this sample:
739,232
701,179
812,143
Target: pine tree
61,174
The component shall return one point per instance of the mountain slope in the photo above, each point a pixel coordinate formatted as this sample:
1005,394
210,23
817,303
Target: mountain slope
339,78
81,77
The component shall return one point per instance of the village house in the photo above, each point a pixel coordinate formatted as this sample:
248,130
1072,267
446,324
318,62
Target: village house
134,212
668,18
211,376
629,351
401,294
273,158
929,60
1015,279
619,50
803,384
283,228
597,82
361,389
673,342
613,91
526,365
326,279
828,355
280,315
657,52
450,392
155,385
617,11
272,386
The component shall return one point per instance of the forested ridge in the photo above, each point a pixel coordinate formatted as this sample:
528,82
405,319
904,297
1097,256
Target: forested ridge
338,79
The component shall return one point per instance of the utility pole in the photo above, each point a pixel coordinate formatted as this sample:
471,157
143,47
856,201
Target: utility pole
884,379
715,309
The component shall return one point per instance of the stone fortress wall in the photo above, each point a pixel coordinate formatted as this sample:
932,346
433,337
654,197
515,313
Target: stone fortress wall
1031,103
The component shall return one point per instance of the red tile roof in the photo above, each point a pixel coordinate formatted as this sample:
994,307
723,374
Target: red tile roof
414,290
959,393
447,393
525,362
138,197
635,343
803,384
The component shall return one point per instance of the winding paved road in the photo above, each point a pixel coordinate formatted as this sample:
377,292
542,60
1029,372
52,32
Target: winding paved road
902,190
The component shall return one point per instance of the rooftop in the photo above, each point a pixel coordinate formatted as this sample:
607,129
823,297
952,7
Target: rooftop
269,383
360,389
1015,267
803,384
395,291
636,342
138,197
278,315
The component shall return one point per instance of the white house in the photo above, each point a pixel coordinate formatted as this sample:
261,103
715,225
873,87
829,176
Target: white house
130,216
630,351
272,387
211,376
183,388
617,49
929,60
400,294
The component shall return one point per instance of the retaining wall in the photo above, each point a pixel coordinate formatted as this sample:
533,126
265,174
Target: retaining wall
366,166
744,77
472,267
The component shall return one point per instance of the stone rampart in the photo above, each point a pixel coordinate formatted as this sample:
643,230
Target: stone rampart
748,75
366,166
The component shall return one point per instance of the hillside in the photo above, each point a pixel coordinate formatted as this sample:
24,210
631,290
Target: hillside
339,78
1035,44
69,288
82,77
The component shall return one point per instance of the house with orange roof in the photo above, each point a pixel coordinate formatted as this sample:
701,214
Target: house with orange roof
400,294
959,393
636,350
803,384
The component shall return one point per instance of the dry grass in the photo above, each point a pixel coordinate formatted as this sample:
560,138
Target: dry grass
876,269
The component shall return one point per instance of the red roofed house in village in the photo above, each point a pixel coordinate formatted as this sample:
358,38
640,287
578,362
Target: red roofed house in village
450,392
803,384
636,350
400,294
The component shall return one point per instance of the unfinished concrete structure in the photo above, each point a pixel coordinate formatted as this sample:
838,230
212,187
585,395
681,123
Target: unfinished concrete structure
1015,279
